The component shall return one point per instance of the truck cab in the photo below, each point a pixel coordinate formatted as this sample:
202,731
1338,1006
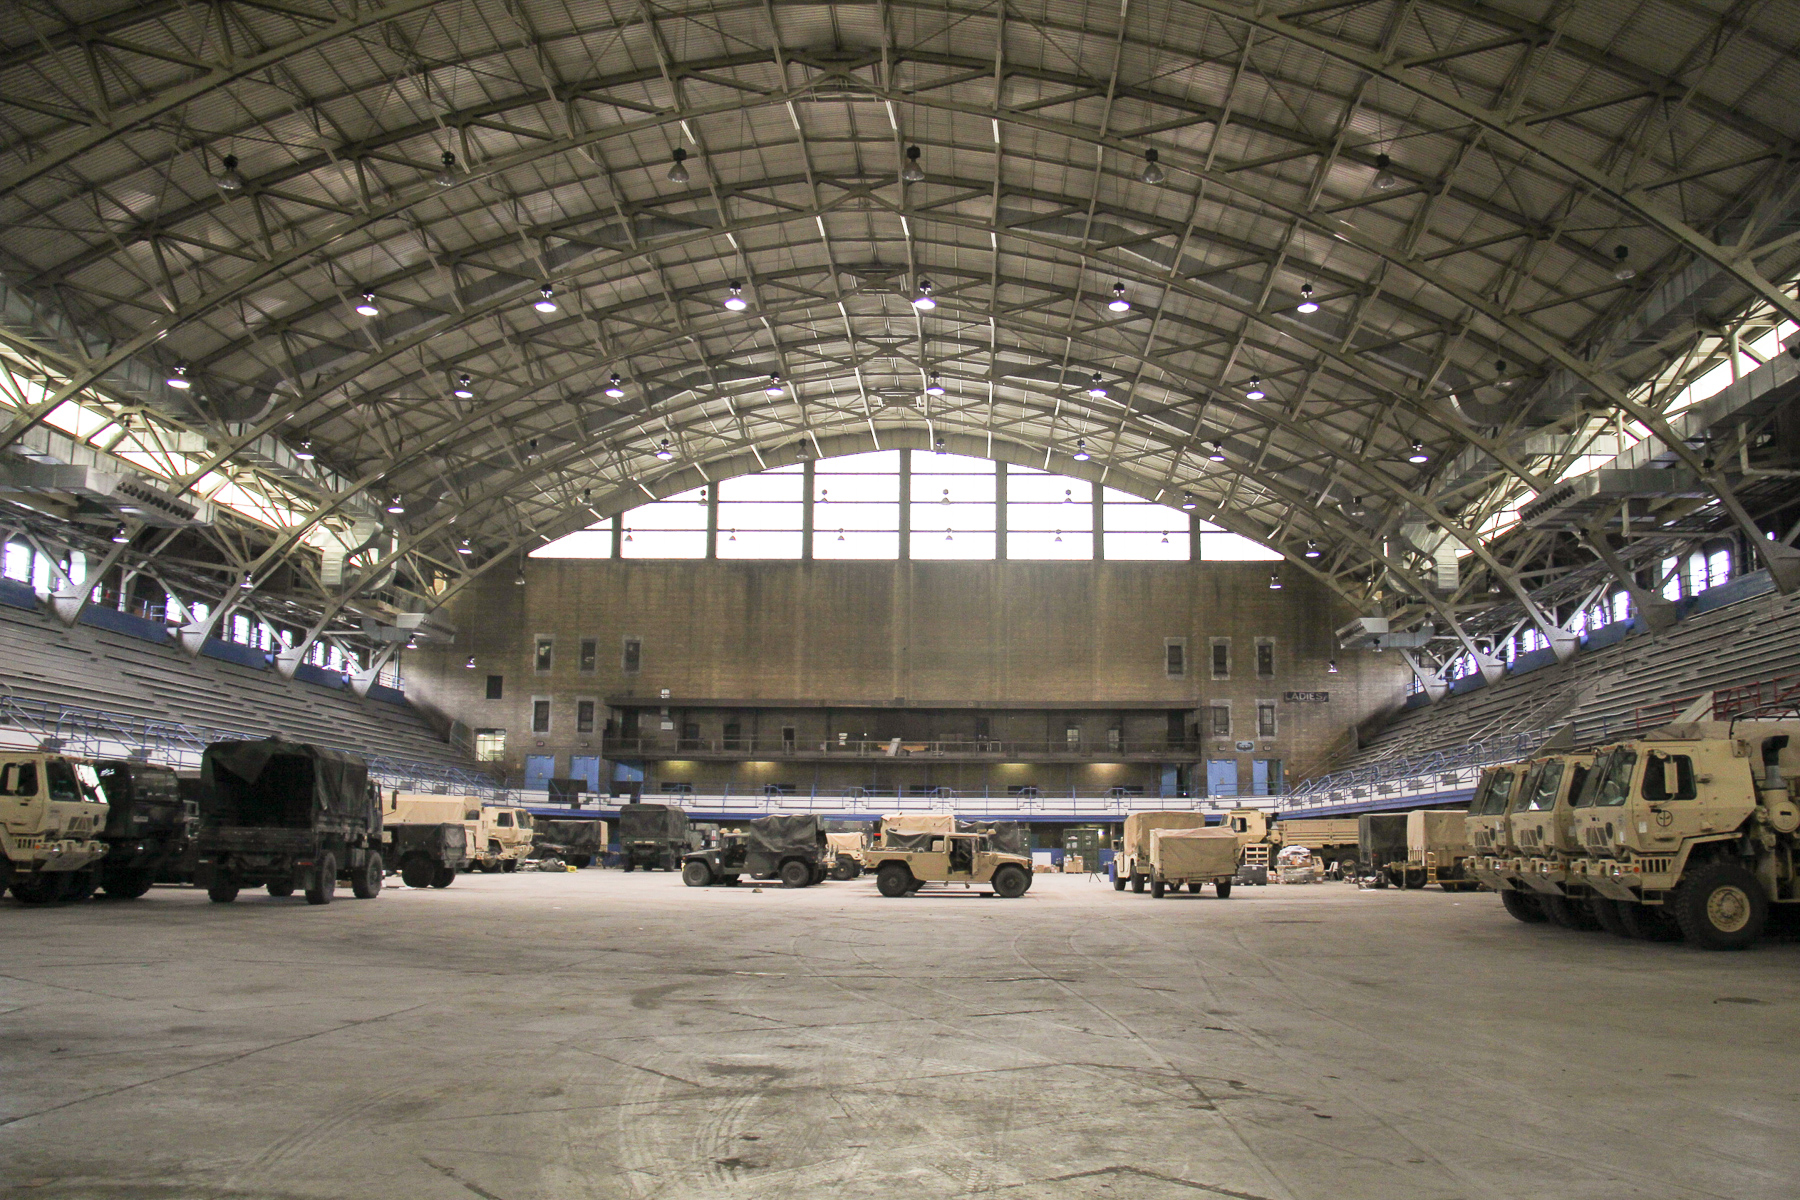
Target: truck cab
501,839
148,831
52,815
1490,838
1541,824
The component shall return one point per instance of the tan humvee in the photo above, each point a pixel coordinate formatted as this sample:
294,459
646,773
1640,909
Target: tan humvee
948,858
1694,826
52,811
1195,857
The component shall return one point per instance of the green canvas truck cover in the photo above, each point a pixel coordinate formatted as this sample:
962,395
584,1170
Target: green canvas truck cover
657,822
1381,837
778,835
1005,837
272,783
570,837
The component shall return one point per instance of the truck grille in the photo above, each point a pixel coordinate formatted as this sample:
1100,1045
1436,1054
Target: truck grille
28,843
1598,838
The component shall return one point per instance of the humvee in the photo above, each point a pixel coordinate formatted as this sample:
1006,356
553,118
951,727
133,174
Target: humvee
846,855
1696,824
790,848
286,816
428,837
52,815
147,831
964,858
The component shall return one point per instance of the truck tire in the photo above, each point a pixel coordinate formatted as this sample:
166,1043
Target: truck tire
1156,889
1720,906
893,881
795,874
443,877
223,891
1606,912
1521,907
417,871
40,887
127,885
630,863
696,873
79,885
508,866
281,889
365,883
324,885
1118,882
1010,882
1568,913
1223,887
1648,922
1137,881
1194,886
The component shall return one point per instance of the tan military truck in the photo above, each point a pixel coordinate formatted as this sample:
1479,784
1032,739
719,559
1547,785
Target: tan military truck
1437,851
1487,831
947,858
1258,840
52,813
417,824
1332,840
1131,856
503,840
1195,857
1538,826
845,854
1695,825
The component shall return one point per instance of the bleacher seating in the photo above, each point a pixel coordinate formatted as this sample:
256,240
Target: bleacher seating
42,660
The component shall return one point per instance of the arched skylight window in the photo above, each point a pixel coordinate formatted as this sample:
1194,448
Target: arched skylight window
944,506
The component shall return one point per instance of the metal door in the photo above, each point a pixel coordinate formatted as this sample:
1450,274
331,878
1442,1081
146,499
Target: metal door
1221,777
538,770
586,768
1265,776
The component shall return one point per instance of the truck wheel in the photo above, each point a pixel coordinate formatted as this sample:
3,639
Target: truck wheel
1156,889
79,885
1720,906
1223,887
893,881
1522,907
795,874
281,889
1137,881
1194,886
223,891
1606,912
1648,922
127,885
443,877
1010,882
324,881
630,865
696,874
41,887
1568,913
366,883
1118,882
417,871
509,866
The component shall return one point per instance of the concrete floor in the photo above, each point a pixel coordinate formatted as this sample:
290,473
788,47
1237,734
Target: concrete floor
599,1034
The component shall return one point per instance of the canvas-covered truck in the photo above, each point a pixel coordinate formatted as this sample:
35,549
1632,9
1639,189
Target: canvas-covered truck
948,858
846,855
1194,857
792,849
652,836
52,817
1697,826
147,832
286,816
1437,851
579,843
1380,841
1131,857
428,836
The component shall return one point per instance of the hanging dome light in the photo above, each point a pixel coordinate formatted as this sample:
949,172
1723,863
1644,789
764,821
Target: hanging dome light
735,301
663,452
1254,391
519,579
1622,273
470,664
923,300
178,378
229,180
120,537
1081,454
1500,369
801,450
546,301
1312,548
614,387
1187,501
1306,304
1119,303
733,536
304,451
1274,581
934,386
938,445
1059,535
946,498
368,307
463,547
463,390
1384,173
1216,451
1331,666
840,535
246,583
678,173
1418,454
912,172
1151,173
1095,387
446,176
775,388
396,506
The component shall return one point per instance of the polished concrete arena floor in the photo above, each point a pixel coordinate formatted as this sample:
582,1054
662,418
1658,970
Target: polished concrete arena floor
598,1034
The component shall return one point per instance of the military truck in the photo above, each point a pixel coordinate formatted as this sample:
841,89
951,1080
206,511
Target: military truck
1131,856
1332,840
1194,857
428,836
1381,840
286,816
947,858
502,839
52,818
846,855
652,836
1695,825
1541,824
148,829
792,849
1437,851
1489,834
579,843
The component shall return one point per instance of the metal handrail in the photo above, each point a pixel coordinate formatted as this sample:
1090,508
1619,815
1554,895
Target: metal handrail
893,748
1411,772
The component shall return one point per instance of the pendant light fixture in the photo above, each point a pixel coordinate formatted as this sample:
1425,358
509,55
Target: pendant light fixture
446,176
735,301
912,172
615,387
1119,303
1254,391
923,301
1306,304
546,301
678,173
1152,173
368,307
229,180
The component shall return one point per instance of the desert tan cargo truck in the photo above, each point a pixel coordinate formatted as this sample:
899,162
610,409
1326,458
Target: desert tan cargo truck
1541,824
1486,827
1258,840
1194,857
504,838
1696,825
1332,840
52,816
1131,857
947,858
421,845
1437,851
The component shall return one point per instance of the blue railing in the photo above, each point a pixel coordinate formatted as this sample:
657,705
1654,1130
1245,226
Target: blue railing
1434,770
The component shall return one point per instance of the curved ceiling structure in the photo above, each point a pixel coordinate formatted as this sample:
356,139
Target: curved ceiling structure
1400,263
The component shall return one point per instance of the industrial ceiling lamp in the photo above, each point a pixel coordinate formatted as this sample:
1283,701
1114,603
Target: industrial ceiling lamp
1622,273
1306,304
775,389
1312,548
120,537
1384,173
368,307
229,180
1331,666
246,583
1254,391
938,445
1216,451
304,451
463,389
464,548
1500,369
912,172
615,387
1095,387
546,301
1274,581
1151,173
470,664
923,301
1081,454
840,535
446,176
801,450
1418,454
663,452
1187,501
934,386
678,173
735,301
1119,303
396,506
519,579
178,378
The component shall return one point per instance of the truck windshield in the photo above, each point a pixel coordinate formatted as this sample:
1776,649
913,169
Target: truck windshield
1549,782
1500,792
73,781
1613,785
1590,785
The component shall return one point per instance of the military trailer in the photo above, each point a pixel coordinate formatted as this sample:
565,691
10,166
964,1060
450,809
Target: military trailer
148,830
1131,857
846,855
1381,840
947,858
428,836
1694,828
652,836
579,843
792,849
52,819
286,816
1194,857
